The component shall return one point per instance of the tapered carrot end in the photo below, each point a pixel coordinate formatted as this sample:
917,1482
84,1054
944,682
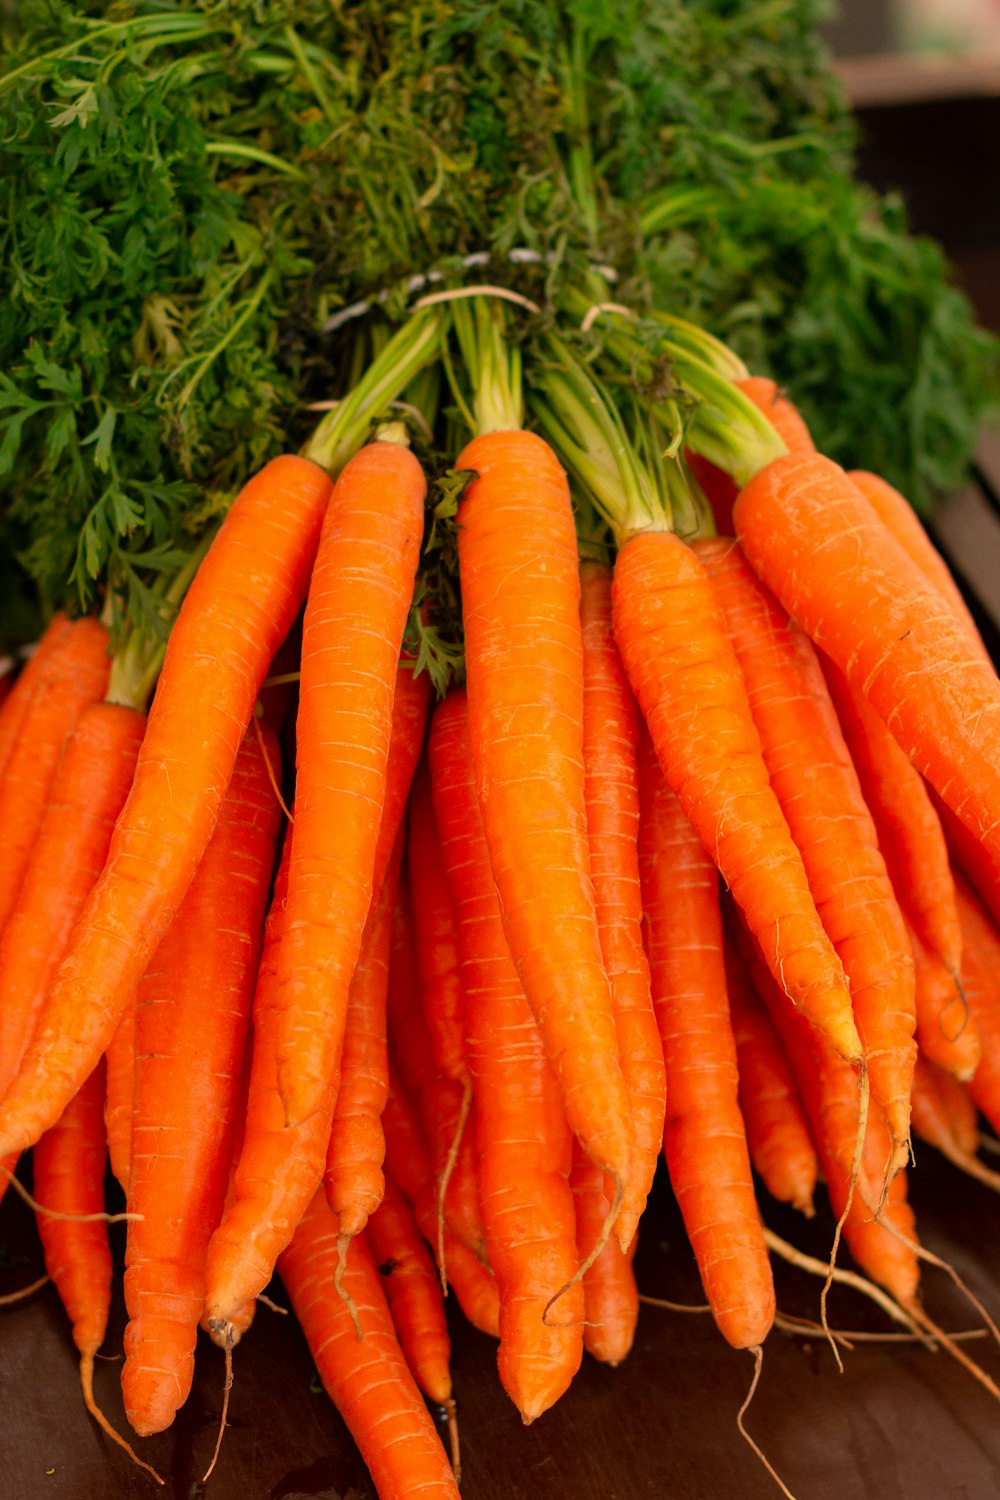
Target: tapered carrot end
87,1386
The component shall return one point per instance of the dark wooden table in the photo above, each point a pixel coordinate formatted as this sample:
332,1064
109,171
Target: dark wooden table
900,1423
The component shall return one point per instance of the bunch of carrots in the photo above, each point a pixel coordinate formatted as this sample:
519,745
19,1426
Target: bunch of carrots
697,850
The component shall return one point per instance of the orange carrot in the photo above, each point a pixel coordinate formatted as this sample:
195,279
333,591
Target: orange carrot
88,792
73,675
778,1139
899,517
118,1096
719,488
610,1294
359,598
981,983
943,1113
237,611
704,1139
435,933
192,1019
20,689
910,835
814,779
684,672
610,732
413,1292
524,1142
367,1379
946,1031
524,664
818,544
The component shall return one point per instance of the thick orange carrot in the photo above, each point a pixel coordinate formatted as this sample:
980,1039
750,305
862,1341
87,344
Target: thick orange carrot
814,779
236,613
192,1019
413,1292
359,598
946,1031
818,544
408,1164
910,835
524,664
684,672
368,1379
72,676
718,487
356,1150
20,689
610,732
524,1142
778,1139
704,1139
899,517
278,1169
88,792
610,1294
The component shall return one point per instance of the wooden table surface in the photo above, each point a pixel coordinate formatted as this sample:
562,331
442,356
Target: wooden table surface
901,1423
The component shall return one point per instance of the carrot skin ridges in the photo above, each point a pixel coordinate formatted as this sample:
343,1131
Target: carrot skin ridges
704,1138
239,608
610,1293
523,649
278,1169
684,672
89,790
68,1164
413,1292
524,1143
814,779
73,675
192,1019
359,597
820,547
367,1379
778,1139
610,735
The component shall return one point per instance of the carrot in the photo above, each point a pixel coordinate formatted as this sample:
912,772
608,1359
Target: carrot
778,1139
73,675
976,863
899,517
435,933
685,674
981,983
786,421
118,1096
946,1031
943,1113
356,1149
814,779
407,1165
236,613
522,1136
610,732
367,1379
524,664
278,1169
413,1292
818,544
192,1018
359,598
87,794
704,1138
19,689
610,1294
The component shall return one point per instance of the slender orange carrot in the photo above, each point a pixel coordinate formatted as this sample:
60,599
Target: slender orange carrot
368,1379
359,598
981,983
946,1031
237,611
192,1018
610,1294
72,676
704,1139
19,689
118,1096
610,732
684,672
524,664
523,1139
899,517
88,792
778,1139
435,933
814,779
818,544
910,835
68,1163
943,1113
413,1292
